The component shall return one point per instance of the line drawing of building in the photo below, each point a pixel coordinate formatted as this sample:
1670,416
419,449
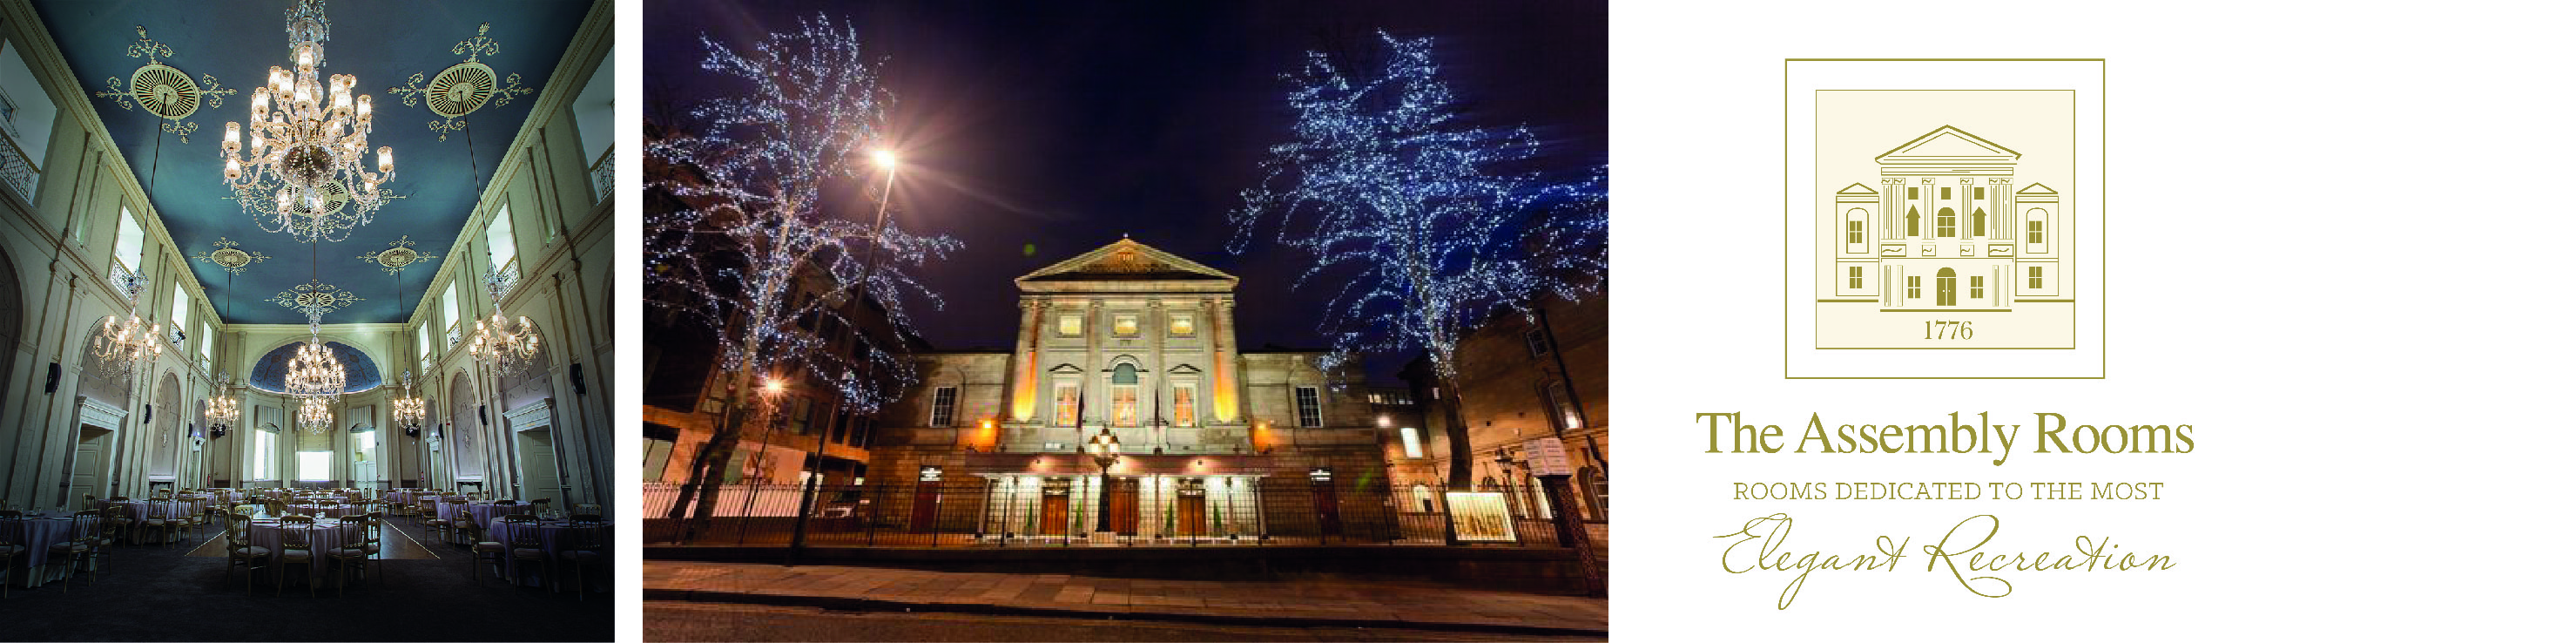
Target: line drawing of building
1945,228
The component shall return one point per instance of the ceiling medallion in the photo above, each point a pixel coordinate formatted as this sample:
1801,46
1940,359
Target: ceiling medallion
464,87
397,256
163,90
316,298
308,156
228,253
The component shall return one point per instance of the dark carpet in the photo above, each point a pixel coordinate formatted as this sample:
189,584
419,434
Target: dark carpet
158,593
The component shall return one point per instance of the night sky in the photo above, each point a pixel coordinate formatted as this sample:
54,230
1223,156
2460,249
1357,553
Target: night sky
1066,124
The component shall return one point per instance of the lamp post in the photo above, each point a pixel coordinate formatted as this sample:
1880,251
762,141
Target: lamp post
1104,450
887,160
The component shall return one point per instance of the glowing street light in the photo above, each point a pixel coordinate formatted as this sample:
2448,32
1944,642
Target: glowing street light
885,158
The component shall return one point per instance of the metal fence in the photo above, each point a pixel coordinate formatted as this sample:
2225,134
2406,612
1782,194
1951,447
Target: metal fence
1135,512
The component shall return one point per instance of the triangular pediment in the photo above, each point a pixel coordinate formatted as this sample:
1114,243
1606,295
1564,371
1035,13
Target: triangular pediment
1948,144
2036,188
1126,261
1856,189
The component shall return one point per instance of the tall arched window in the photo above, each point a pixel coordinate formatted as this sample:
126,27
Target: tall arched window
1977,223
1122,395
1422,497
1946,223
1852,226
1913,222
1945,288
2037,230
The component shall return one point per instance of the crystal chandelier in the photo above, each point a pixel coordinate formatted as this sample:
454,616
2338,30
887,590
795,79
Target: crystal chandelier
315,371
314,416
224,410
305,157
410,412
126,342
507,347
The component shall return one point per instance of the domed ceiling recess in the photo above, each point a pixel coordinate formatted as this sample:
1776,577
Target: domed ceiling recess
165,56
269,374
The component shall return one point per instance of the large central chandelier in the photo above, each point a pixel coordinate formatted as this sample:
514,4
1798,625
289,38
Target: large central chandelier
508,348
306,156
410,412
126,342
315,371
314,416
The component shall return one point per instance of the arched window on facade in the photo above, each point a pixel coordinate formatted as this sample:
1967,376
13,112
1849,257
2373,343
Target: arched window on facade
1946,223
2036,230
1595,488
1853,224
1122,395
1422,497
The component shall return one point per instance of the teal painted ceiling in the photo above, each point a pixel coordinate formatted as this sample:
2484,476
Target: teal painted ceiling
384,44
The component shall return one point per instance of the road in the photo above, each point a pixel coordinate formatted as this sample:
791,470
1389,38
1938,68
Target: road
685,621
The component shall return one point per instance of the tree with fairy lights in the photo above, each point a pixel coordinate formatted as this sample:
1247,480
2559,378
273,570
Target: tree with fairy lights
749,249
1426,225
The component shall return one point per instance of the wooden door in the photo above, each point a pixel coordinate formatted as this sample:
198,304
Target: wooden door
1328,510
1193,514
925,508
1122,505
1054,511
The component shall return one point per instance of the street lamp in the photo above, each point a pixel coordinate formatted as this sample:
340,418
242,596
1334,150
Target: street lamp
885,158
1104,450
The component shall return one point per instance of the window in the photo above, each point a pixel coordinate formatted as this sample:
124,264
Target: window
1068,404
943,406
1183,326
1422,495
129,240
1310,407
1976,286
1981,194
1123,325
1185,405
1913,222
1122,395
1945,194
800,417
2034,278
505,247
364,467
657,458
1913,193
423,336
263,456
312,465
1851,231
1914,287
1946,223
1069,325
447,304
1855,277
206,345
1536,340
2037,234
1412,441
1562,404
178,308
1977,223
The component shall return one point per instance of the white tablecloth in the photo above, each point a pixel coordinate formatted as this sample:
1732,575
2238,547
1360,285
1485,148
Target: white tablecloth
556,537
38,535
483,512
325,534
320,511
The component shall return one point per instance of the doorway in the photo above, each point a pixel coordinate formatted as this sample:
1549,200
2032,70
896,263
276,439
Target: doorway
88,465
537,473
1193,512
1054,512
925,506
1122,505
1328,509
1946,288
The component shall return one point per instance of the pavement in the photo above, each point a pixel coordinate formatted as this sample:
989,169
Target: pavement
1291,603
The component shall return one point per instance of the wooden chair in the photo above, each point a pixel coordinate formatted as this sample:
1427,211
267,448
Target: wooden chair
527,546
10,551
589,508
155,520
353,559
585,545
295,547
239,551
482,548
69,554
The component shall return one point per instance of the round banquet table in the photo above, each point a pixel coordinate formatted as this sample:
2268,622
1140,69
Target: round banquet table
326,534
483,512
38,535
322,511
557,537
139,510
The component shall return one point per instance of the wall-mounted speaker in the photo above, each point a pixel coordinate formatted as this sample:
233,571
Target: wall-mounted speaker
485,411
577,387
53,376
147,414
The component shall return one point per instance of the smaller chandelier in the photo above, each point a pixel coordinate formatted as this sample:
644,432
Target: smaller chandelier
314,416
508,348
124,344
410,412
224,410
315,371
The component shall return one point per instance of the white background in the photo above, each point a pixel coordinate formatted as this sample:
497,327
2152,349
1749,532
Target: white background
2353,294
2334,251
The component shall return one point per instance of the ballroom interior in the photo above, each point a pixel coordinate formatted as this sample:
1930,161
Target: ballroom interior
341,269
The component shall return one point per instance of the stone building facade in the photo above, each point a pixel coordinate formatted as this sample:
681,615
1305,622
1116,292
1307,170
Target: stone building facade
1520,379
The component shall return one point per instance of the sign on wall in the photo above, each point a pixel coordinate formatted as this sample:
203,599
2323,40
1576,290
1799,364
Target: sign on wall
1480,516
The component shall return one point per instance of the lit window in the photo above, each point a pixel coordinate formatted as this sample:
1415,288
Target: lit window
1310,407
263,446
1536,340
1185,405
1069,325
943,406
1855,277
1182,326
1976,286
1562,404
2034,278
312,465
504,245
1068,404
1914,287
179,308
1412,442
1122,395
129,240
1123,325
